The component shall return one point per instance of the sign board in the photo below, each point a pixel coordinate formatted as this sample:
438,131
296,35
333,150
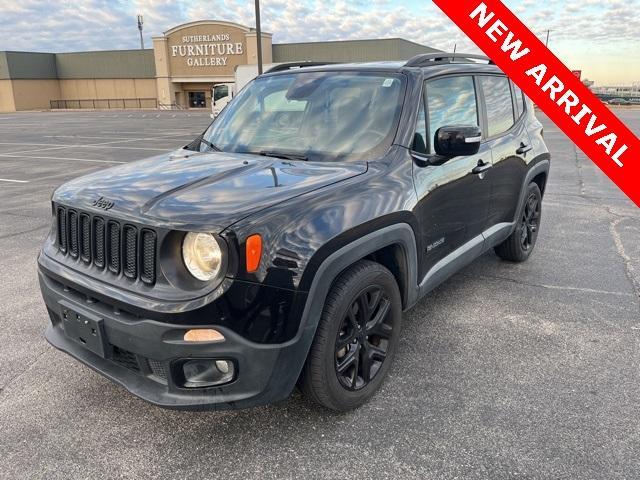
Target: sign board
206,49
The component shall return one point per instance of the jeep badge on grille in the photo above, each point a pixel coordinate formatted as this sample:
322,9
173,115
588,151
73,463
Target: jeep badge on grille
103,203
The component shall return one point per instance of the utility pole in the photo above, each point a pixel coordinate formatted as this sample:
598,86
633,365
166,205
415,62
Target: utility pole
140,29
547,42
259,37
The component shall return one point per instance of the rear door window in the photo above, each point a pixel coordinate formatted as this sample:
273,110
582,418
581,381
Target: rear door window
497,97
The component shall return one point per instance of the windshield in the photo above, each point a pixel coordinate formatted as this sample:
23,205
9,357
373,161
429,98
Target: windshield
315,115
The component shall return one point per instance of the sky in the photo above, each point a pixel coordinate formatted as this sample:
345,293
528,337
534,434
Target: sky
600,37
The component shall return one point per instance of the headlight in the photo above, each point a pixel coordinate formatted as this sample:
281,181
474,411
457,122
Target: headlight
202,255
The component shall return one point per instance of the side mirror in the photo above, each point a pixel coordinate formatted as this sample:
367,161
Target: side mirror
455,141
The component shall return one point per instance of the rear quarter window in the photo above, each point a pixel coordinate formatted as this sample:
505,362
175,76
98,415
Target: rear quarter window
497,98
519,100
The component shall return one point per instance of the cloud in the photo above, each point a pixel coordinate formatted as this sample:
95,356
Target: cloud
595,31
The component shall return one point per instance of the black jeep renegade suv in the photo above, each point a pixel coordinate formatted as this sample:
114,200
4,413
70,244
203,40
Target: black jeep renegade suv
282,246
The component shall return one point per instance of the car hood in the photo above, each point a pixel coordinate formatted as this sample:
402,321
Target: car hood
201,190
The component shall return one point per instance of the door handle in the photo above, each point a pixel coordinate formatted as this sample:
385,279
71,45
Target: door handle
523,149
482,167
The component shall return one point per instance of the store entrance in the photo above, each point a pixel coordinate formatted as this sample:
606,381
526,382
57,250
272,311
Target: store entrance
197,100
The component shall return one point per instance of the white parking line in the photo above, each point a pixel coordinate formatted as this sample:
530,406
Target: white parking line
21,125
60,158
178,132
13,181
58,146
77,172
120,139
32,150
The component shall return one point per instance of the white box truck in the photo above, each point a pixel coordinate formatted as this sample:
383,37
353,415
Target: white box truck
222,93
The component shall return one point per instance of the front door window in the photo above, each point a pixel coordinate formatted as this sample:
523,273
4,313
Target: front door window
197,100
451,101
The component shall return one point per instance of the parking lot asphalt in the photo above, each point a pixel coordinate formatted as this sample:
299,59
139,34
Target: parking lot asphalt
505,371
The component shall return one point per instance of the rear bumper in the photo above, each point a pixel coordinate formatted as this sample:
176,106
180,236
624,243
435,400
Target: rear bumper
143,356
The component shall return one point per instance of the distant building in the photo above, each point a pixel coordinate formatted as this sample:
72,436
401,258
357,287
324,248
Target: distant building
628,92
181,69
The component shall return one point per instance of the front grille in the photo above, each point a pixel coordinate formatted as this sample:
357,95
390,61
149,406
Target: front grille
125,358
113,257
154,369
61,219
73,233
130,267
107,244
98,242
85,236
158,369
148,274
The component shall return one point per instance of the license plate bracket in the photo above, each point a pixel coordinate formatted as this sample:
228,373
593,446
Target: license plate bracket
84,328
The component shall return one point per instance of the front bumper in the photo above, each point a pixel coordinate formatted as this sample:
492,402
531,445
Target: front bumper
143,356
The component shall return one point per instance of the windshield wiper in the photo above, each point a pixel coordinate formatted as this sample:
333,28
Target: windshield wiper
211,146
284,156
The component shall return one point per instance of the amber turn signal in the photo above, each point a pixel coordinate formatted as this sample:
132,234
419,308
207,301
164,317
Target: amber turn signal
254,252
203,335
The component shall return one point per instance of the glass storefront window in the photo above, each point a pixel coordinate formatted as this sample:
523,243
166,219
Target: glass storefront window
197,100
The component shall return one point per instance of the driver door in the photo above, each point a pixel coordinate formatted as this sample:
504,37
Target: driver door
453,194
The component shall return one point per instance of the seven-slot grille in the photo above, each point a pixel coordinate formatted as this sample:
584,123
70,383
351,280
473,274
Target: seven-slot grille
120,248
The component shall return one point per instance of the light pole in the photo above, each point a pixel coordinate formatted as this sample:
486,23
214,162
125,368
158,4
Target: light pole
547,42
140,22
259,37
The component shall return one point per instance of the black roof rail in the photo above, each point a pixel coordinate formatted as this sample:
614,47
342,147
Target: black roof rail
293,65
428,59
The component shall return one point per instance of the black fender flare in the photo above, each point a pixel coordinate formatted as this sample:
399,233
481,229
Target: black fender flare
291,360
400,233
542,166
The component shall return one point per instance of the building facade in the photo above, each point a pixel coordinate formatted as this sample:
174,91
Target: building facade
180,70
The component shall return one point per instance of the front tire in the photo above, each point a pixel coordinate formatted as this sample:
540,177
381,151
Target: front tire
522,241
356,338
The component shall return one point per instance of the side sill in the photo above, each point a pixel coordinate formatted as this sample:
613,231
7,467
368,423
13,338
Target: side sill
464,255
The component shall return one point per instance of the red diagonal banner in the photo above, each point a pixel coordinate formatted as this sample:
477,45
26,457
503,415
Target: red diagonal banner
553,87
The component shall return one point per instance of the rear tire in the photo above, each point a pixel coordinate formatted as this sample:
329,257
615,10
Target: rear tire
356,338
522,241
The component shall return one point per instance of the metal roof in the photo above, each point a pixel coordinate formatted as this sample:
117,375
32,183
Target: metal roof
346,51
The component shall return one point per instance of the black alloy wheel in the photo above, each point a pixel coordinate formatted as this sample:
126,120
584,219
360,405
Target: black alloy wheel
530,222
520,244
363,339
356,338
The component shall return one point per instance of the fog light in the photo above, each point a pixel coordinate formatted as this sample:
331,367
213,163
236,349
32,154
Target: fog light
207,373
222,365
